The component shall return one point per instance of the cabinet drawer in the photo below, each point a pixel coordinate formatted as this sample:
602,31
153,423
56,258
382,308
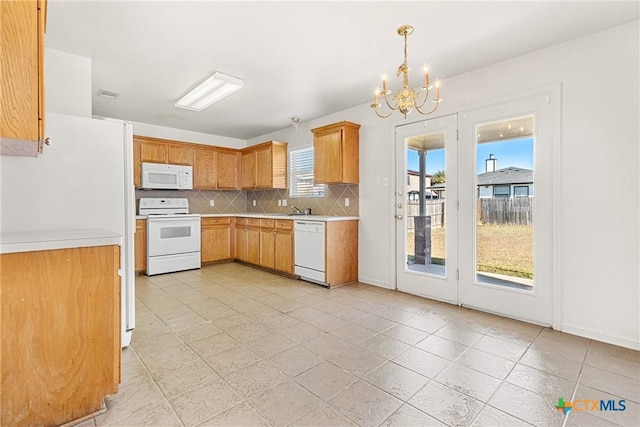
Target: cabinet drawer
241,221
255,222
284,224
267,223
215,221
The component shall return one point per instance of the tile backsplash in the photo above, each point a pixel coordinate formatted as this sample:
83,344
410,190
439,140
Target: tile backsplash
332,203
225,201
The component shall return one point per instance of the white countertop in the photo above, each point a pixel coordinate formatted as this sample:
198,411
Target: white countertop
28,241
323,218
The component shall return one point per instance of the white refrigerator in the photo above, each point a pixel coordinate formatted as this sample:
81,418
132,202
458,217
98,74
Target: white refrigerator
83,180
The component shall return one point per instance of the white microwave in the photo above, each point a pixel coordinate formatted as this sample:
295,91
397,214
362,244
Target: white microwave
156,176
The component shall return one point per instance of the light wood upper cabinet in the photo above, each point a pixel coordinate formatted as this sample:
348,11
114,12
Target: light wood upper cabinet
180,155
228,168
153,152
60,347
22,71
264,171
248,170
137,171
204,169
264,166
336,153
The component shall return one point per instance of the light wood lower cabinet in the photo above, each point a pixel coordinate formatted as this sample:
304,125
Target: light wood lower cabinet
276,245
247,240
341,252
216,239
60,346
253,241
265,242
141,246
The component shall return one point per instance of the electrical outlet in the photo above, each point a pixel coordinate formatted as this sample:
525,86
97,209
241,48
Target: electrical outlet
279,202
346,201
212,202
284,202
254,203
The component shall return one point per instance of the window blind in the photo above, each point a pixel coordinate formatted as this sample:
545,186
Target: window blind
301,174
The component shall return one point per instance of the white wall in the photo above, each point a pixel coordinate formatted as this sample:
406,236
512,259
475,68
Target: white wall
67,83
145,129
598,260
68,91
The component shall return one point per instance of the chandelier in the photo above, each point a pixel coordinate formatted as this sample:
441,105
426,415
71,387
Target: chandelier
407,99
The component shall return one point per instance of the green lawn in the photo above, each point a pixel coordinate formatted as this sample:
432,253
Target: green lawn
502,249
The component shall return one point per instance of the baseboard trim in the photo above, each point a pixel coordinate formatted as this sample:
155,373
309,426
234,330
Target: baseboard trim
376,283
594,335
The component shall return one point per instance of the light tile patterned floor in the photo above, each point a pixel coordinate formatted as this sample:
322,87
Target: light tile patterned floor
231,345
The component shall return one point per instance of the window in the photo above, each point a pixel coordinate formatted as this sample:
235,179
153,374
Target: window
521,191
501,191
301,174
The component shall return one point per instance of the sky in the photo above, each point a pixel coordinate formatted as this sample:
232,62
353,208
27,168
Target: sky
517,153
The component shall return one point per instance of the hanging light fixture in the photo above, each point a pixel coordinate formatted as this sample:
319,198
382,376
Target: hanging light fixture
406,100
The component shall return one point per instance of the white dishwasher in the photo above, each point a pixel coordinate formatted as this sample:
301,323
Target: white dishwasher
309,250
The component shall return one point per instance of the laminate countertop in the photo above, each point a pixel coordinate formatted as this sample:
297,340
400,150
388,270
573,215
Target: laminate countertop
29,241
322,218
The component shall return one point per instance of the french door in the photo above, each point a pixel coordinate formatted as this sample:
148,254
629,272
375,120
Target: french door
474,216
425,204
506,206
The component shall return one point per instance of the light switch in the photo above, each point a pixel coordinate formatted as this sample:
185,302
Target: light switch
346,201
212,202
254,203
284,202
279,202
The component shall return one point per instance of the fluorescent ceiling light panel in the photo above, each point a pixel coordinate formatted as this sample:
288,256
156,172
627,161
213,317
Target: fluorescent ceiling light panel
210,91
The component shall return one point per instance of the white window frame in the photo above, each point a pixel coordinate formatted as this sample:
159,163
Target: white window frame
301,174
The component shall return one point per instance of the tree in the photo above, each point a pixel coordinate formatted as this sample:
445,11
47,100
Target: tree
438,178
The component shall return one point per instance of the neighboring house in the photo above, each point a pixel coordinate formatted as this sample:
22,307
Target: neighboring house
495,183
506,182
413,186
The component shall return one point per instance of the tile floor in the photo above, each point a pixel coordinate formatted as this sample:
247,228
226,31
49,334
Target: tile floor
231,345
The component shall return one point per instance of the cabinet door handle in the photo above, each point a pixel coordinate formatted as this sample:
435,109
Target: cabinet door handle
47,141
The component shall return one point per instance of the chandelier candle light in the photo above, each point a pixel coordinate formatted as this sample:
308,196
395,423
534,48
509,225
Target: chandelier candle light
406,99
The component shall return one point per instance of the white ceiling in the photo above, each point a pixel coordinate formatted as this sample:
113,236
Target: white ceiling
305,59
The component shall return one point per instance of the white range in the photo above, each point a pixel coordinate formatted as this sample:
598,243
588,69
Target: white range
173,235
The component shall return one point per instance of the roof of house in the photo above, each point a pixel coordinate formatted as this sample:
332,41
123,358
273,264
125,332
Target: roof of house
510,175
417,173
504,176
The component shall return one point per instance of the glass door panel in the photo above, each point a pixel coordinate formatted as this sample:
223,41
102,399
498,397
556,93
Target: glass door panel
504,226
426,225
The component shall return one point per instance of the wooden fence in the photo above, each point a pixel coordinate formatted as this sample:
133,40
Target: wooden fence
515,211
434,208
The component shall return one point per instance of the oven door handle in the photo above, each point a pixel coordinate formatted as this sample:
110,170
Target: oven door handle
155,219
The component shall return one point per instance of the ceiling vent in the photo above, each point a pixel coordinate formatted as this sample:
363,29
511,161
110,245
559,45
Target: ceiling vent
111,94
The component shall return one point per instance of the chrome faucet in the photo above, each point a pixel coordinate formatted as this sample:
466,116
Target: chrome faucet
296,211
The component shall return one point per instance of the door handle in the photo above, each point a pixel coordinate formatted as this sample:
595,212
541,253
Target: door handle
398,217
